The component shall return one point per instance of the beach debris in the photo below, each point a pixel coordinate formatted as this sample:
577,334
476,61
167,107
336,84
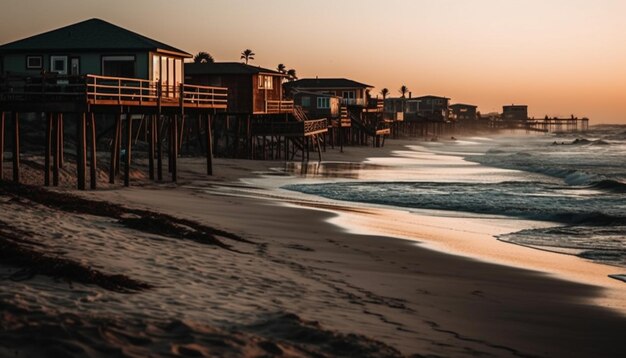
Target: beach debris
18,252
137,219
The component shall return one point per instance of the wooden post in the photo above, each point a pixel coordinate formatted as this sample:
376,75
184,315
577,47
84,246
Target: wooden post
319,147
61,141
308,152
120,141
16,147
48,149
1,145
159,148
115,149
93,172
174,147
81,151
129,143
56,151
151,121
340,130
209,146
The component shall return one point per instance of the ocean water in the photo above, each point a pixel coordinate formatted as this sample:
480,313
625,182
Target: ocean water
576,180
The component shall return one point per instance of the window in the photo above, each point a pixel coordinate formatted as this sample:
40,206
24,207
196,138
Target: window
323,102
156,68
34,62
306,101
349,94
58,64
118,66
266,82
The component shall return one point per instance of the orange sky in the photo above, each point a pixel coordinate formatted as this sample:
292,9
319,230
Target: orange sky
560,57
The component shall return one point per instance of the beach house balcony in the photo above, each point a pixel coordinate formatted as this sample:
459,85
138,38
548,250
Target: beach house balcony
278,106
82,93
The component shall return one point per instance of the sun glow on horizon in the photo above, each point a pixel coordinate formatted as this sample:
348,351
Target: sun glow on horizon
559,57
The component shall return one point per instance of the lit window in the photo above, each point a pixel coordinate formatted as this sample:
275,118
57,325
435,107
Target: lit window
266,82
323,102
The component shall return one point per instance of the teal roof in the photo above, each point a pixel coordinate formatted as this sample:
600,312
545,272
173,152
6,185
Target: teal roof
89,35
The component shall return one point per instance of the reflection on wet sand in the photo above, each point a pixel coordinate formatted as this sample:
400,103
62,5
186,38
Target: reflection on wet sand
344,170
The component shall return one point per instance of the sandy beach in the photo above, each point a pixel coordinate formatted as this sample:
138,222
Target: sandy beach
230,266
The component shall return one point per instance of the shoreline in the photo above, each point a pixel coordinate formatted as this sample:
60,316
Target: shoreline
483,245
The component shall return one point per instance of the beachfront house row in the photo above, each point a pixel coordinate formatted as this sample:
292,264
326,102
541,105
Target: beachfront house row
351,93
433,108
463,112
515,112
251,89
95,47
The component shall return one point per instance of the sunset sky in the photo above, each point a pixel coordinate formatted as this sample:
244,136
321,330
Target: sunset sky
560,57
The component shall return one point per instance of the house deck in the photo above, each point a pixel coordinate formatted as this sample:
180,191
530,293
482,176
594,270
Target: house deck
86,93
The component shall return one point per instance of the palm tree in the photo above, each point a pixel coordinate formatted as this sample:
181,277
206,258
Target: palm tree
292,75
203,57
281,68
384,92
403,91
247,55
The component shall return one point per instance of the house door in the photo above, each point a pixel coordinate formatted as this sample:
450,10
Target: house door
75,66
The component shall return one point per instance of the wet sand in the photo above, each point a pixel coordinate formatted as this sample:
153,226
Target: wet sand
298,268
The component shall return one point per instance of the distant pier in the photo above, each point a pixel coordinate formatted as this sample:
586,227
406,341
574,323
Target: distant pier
545,125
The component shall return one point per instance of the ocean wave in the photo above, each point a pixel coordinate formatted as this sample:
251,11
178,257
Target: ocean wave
584,141
610,185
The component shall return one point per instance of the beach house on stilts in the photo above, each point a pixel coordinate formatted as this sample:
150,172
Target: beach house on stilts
359,116
259,122
101,79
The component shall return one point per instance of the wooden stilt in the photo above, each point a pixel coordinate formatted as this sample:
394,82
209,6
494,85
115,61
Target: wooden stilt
308,152
93,166
16,147
159,149
319,147
118,149
81,151
115,148
48,149
61,141
181,136
174,148
1,145
286,149
150,124
56,151
209,146
129,144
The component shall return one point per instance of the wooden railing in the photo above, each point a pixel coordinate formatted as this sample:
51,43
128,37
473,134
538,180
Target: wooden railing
290,129
353,102
204,96
315,126
24,88
104,89
276,106
123,90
